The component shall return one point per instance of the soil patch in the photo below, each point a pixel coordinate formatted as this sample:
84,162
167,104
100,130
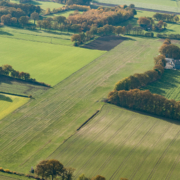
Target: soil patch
105,43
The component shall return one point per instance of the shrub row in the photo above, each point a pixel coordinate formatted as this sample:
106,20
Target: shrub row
19,174
170,36
7,70
70,7
139,80
146,101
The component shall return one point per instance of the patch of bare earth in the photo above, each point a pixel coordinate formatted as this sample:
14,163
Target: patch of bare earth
105,43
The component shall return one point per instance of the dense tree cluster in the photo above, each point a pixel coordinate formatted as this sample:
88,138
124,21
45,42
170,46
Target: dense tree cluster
170,50
127,93
7,70
102,16
52,169
149,23
146,101
142,79
18,14
170,36
166,17
27,8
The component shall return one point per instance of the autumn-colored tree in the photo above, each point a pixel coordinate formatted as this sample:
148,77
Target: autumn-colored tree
176,19
39,24
60,19
35,16
48,11
46,24
118,30
144,21
24,20
83,177
41,169
76,38
98,177
167,41
6,19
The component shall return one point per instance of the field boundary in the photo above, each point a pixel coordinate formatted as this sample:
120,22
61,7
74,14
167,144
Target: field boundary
20,95
137,8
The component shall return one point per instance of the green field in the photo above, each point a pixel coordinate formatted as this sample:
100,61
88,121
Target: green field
17,87
66,14
168,85
45,62
122,143
10,103
43,4
6,176
43,36
166,5
38,128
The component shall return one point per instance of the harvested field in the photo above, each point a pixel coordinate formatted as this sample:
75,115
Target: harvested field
105,43
20,87
121,143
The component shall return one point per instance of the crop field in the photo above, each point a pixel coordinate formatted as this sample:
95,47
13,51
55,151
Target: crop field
9,103
43,36
122,143
168,86
166,5
36,130
43,4
5,176
45,62
14,86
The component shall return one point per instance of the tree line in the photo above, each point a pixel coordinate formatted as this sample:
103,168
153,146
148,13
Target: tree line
105,30
127,93
139,80
7,70
52,169
166,17
146,101
18,14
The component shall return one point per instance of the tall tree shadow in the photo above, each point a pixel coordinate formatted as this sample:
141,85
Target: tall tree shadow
5,98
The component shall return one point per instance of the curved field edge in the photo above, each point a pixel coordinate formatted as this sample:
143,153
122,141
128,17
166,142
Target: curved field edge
122,143
47,63
9,103
38,128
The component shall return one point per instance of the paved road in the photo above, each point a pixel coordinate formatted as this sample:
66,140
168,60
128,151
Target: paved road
137,8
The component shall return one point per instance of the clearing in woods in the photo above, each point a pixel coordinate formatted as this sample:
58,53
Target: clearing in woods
37,129
122,143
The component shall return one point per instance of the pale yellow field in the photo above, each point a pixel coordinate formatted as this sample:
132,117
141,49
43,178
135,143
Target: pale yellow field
9,103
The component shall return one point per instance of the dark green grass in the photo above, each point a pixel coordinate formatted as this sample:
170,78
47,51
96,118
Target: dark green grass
168,85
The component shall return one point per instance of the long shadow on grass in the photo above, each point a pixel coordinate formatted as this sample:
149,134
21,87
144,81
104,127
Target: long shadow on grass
5,33
5,98
168,81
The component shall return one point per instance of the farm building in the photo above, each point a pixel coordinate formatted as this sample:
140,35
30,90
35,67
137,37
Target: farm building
172,63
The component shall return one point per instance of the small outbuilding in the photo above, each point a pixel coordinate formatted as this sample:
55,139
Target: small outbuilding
172,63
